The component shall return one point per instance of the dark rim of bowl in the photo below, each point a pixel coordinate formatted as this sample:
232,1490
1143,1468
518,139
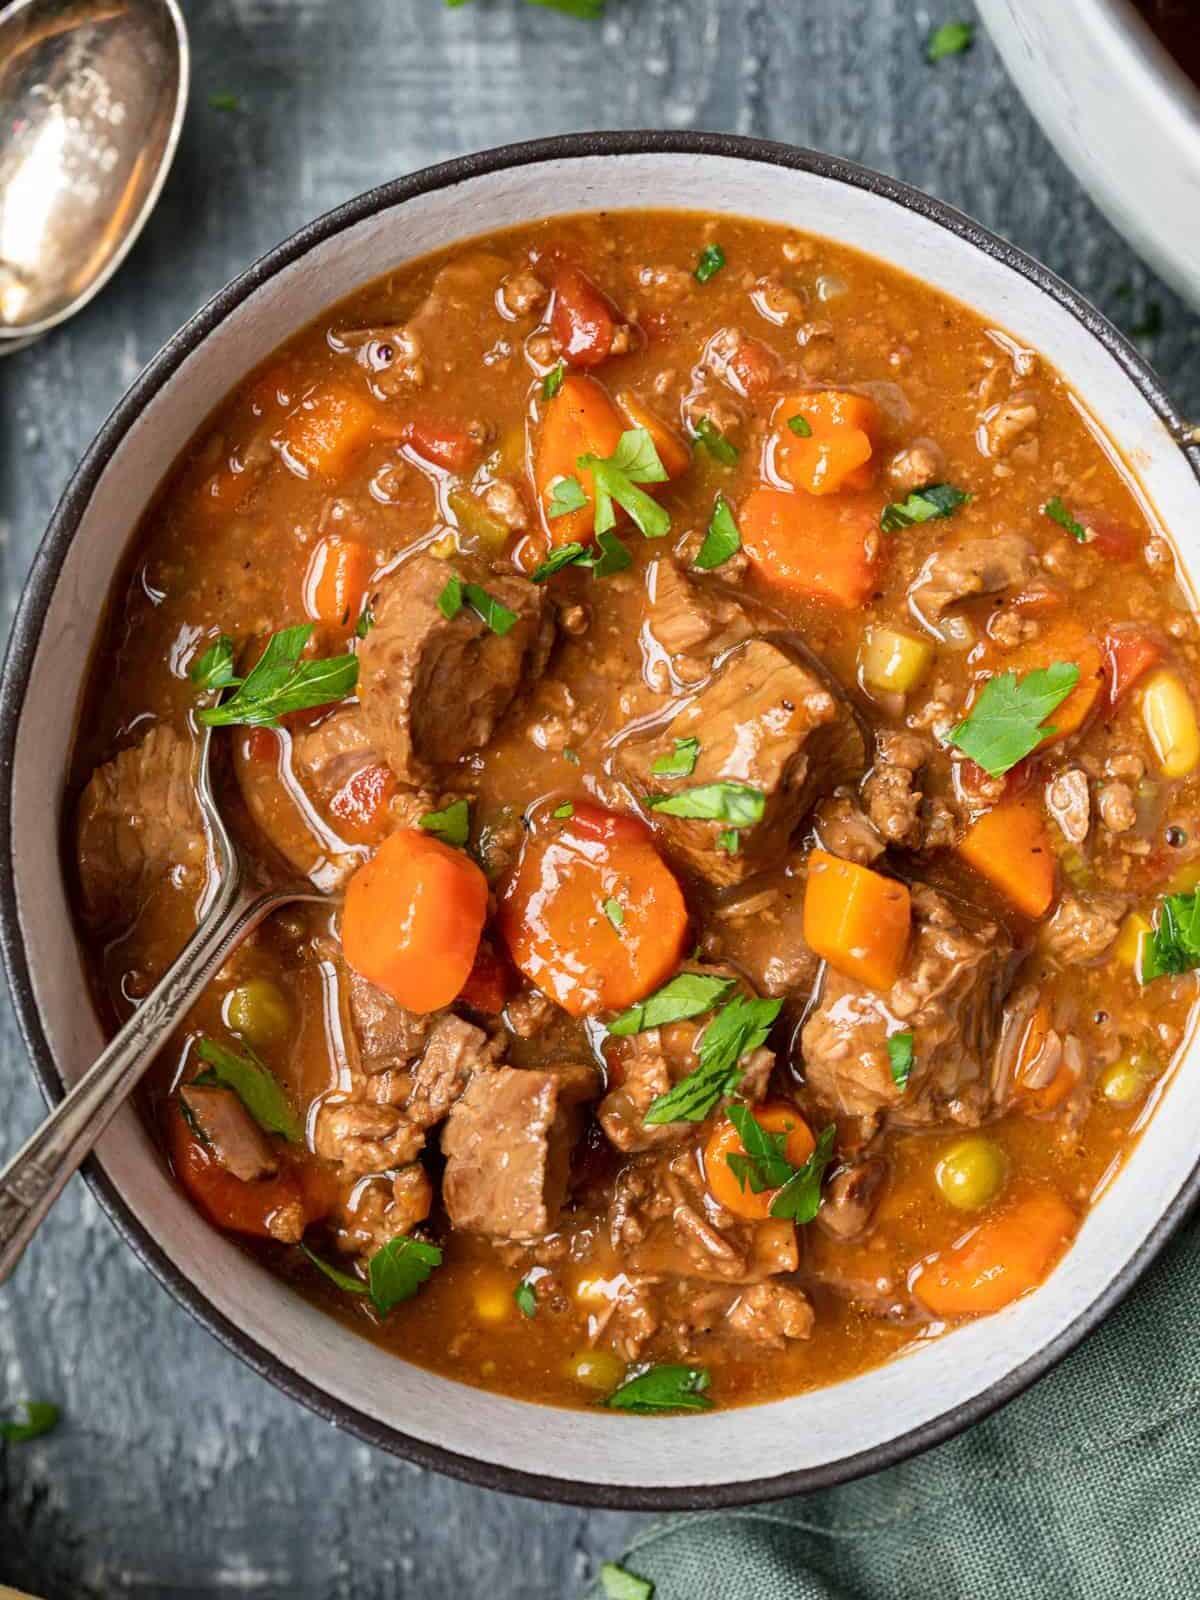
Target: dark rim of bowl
18,665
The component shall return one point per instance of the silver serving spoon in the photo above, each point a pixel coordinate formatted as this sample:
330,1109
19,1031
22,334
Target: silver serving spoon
92,97
233,906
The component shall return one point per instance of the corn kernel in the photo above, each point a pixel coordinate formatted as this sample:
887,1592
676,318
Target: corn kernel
494,1302
892,661
1170,719
1131,942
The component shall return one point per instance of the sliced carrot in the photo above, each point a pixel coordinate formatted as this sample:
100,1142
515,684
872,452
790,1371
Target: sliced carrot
328,428
672,448
1064,638
580,420
858,920
1128,656
1009,846
336,580
360,805
235,1203
995,1263
724,1141
412,919
591,915
822,549
583,320
442,444
489,984
835,453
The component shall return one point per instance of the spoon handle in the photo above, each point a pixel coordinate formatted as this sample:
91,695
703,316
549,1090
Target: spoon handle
37,1174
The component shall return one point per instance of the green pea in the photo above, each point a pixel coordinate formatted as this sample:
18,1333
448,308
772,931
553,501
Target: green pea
258,1012
1122,1082
972,1173
595,1369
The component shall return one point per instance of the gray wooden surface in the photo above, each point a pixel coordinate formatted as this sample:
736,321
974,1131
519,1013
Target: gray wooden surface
177,1472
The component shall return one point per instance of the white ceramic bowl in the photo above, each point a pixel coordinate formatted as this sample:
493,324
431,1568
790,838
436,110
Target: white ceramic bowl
1120,112
587,1456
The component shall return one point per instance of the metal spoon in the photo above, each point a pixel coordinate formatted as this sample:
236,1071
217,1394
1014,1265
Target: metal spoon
233,907
92,96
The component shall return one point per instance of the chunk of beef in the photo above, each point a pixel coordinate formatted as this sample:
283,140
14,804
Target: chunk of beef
508,1145
770,1314
433,688
851,1196
763,721
1069,802
456,1053
388,1035
948,997
646,1065
1083,928
763,936
139,826
368,1215
844,831
686,619
892,798
327,756
366,1137
977,566
234,1139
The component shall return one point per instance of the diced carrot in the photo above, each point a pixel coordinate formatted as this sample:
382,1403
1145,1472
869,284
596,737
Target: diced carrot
591,915
442,444
836,452
336,580
412,919
1128,655
1063,638
360,805
328,428
1003,1258
672,448
580,420
489,984
582,319
724,1141
858,920
236,1203
822,549
1009,846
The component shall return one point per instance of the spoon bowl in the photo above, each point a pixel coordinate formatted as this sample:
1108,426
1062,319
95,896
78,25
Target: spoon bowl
92,97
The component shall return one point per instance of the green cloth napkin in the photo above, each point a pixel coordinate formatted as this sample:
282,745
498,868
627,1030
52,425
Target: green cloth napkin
1085,1488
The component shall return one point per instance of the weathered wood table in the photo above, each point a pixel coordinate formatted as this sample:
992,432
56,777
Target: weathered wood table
176,1471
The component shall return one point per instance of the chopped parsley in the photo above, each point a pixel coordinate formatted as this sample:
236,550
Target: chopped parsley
951,39
606,556
900,1058
740,1026
278,682
722,539
621,1585
564,810
566,496
729,840
1008,721
715,442
800,426
662,1388
800,1198
1174,946
526,1299
486,607
254,1086
224,100
1057,512
452,825
615,912
681,763
712,259
736,803
617,478
40,1416
763,1164
923,505
689,994
553,381
365,623
449,602
399,1269
345,1281
572,756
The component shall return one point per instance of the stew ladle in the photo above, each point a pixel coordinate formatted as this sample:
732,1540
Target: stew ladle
232,907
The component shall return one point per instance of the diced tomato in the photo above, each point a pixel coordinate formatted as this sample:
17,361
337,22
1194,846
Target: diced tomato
262,744
582,319
1115,540
1127,656
442,444
237,1204
363,798
753,365
1038,600
490,982
609,827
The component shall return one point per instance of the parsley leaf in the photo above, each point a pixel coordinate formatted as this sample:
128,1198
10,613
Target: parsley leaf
714,802
800,1198
621,1585
951,39
564,556
1174,946
224,100
800,426
585,10
344,1280
722,539
449,602
764,1164
214,669
564,810
715,442
687,995
255,1087
729,840
365,623
606,556
488,609
712,259
900,1058
399,1269
40,1417
739,1027
1057,512
278,682
553,381
616,478
1007,722
662,1388
615,912
680,763
526,1298
453,824
923,505
566,496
